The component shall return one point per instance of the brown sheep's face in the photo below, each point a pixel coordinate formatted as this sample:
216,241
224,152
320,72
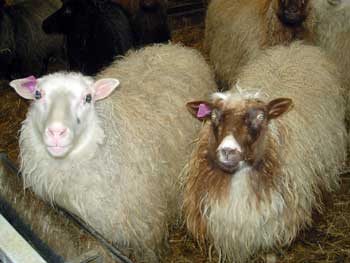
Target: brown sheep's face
292,12
238,128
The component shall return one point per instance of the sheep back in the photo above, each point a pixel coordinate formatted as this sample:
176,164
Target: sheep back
333,35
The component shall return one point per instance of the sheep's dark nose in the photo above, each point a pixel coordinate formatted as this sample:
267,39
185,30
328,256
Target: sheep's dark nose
229,159
230,155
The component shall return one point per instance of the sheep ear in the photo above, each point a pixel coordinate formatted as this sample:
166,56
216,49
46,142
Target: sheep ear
25,87
104,87
201,110
279,106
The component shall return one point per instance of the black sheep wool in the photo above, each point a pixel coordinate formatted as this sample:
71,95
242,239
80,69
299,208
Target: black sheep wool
96,32
24,48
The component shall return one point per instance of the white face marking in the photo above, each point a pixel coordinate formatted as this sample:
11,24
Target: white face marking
220,95
231,143
261,117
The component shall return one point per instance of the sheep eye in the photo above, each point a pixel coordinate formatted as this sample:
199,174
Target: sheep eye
88,98
37,95
261,117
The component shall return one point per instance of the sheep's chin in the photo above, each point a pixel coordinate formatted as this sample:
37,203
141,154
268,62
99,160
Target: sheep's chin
58,151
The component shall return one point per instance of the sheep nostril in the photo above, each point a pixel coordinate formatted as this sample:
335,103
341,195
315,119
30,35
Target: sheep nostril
230,155
63,131
56,132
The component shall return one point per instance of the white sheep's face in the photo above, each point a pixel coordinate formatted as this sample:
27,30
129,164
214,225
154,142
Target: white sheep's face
63,107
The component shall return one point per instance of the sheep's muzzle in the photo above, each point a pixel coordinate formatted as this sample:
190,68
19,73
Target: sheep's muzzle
228,159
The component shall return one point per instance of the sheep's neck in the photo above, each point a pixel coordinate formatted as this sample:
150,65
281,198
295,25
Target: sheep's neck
264,166
206,181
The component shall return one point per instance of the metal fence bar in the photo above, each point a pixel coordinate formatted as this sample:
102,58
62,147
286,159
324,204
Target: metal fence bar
14,248
27,233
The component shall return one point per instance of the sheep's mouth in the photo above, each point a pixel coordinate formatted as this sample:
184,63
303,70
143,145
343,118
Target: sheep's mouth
227,167
57,150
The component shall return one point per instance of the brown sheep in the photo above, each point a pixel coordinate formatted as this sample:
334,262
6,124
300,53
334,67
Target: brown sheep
257,173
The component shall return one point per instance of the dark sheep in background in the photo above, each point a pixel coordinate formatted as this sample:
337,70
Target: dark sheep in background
149,20
96,32
24,47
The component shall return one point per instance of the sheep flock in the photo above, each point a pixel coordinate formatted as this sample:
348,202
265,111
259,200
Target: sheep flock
238,147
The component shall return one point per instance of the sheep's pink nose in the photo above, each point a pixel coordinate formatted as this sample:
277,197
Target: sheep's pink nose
57,131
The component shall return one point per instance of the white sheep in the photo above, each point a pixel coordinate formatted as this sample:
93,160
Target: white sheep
236,31
115,163
257,174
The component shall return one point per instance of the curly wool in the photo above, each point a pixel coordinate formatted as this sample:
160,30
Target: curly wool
309,143
127,188
55,230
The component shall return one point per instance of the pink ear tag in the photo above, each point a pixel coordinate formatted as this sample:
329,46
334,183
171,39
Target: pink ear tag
203,110
30,83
